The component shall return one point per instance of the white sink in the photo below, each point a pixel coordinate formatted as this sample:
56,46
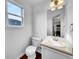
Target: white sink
57,43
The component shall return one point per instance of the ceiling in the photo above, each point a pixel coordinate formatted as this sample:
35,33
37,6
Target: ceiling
35,2
32,2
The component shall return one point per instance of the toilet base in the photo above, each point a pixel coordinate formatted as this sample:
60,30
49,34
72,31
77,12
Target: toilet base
32,56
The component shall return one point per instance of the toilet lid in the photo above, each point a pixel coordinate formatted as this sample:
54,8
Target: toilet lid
30,50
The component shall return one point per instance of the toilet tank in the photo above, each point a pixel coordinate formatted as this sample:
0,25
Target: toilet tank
36,41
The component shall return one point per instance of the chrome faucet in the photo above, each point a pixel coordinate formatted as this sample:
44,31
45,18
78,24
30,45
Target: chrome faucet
55,39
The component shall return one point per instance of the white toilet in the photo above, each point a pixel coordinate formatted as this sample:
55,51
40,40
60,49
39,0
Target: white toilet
31,50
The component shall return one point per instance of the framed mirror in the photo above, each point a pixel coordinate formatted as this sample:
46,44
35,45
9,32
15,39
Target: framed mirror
56,23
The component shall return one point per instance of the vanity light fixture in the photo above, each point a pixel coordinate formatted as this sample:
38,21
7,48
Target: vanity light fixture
56,4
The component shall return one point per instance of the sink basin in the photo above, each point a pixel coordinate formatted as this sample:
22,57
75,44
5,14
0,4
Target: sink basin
56,42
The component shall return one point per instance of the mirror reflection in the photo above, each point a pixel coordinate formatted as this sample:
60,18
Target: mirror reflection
56,23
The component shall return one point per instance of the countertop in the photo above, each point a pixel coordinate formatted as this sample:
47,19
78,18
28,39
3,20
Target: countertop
48,43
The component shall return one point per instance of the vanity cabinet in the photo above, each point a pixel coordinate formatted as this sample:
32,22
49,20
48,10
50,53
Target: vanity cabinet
48,53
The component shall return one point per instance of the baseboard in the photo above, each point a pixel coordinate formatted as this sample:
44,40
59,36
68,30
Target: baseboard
20,56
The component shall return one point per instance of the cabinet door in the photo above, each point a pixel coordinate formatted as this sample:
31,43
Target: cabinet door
48,53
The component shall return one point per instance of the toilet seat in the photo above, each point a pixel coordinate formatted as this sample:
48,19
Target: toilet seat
30,50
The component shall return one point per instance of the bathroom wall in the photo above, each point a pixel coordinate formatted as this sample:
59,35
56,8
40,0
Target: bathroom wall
40,19
17,39
69,20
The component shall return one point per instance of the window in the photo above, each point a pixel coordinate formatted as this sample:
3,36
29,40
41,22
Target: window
15,14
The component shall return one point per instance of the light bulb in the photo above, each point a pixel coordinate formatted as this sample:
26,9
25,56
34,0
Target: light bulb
54,6
60,7
52,9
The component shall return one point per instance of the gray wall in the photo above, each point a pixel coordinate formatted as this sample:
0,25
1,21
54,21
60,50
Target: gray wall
17,39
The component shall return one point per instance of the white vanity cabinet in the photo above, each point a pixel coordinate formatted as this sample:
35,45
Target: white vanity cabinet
48,53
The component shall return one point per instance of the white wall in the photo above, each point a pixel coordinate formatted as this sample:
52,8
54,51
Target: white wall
40,19
69,21
17,39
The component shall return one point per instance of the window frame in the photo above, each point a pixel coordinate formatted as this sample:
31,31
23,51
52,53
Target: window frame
22,14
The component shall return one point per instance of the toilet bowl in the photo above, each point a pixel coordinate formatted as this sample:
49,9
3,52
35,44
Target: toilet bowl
31,50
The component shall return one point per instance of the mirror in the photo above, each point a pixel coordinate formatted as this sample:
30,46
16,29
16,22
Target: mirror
56,23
